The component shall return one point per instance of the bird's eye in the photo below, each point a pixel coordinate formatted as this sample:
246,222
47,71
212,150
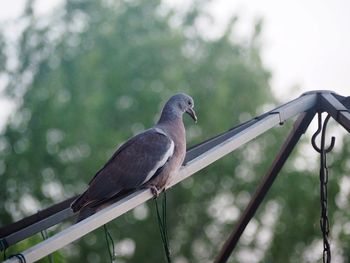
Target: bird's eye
189,103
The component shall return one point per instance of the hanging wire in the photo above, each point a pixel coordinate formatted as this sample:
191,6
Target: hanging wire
45,236
20,257
162,223
324,222
110,243
3,246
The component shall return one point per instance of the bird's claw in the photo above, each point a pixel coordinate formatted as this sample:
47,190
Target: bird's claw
155,191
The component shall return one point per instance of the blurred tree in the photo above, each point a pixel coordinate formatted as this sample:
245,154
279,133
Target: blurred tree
2,54
98,72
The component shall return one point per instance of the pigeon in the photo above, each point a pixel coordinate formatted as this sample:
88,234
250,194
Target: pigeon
147,160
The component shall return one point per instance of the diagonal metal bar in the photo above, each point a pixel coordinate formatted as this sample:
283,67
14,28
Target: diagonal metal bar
55,214
299,128
28,221
52,216
222,147
336,109
80,229
37,227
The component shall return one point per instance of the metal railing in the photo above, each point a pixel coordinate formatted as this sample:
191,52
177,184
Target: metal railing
197,158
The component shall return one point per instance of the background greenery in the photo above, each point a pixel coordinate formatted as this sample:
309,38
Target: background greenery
98,72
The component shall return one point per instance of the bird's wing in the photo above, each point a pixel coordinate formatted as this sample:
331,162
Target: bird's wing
132,165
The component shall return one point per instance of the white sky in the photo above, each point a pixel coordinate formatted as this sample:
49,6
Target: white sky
305,43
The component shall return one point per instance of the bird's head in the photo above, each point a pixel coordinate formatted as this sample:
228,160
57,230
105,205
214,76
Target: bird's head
179,104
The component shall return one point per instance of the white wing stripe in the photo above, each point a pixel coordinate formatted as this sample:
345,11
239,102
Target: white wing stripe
161,162
159,130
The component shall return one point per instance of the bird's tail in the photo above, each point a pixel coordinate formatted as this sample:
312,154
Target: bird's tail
86,212
87,208
79,203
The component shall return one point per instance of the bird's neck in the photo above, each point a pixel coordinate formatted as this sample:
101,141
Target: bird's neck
173,126
169,115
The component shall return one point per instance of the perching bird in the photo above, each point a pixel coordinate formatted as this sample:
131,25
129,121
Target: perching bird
146,160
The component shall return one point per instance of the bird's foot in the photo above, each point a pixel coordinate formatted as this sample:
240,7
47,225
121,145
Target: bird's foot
155,191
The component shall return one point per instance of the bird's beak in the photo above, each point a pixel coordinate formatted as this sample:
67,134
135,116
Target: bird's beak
192,113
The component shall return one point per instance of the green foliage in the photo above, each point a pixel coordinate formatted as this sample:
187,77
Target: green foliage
97,73
2,54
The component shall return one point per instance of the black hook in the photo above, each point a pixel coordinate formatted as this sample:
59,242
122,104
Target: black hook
323,135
